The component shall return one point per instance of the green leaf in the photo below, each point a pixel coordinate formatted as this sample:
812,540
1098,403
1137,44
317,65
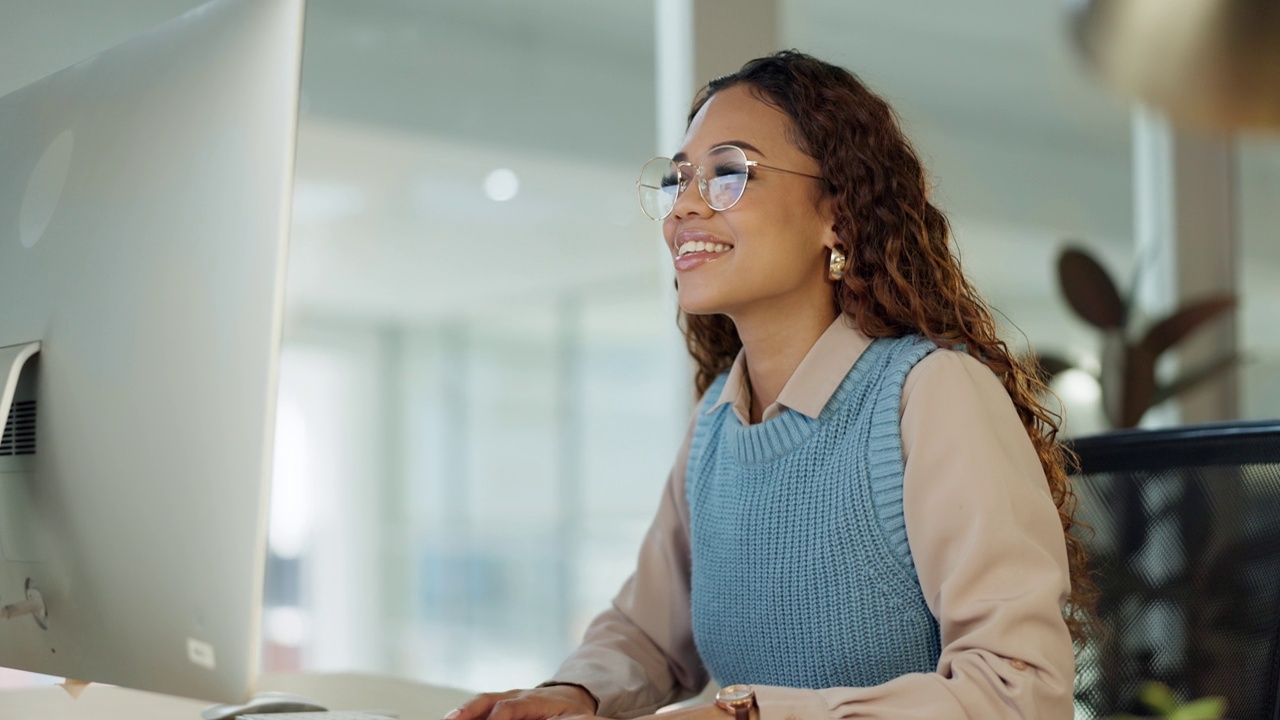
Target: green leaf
1166,333
1158,697
1090,290
1209,708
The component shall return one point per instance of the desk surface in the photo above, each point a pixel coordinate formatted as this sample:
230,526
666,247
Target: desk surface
408,700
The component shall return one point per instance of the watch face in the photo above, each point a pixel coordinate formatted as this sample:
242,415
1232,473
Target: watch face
735,694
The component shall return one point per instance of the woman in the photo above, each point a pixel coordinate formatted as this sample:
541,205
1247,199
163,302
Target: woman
869,516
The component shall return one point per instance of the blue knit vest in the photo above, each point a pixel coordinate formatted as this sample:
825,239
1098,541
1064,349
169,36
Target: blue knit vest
802,575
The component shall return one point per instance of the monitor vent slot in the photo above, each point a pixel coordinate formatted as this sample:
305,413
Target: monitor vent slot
20,430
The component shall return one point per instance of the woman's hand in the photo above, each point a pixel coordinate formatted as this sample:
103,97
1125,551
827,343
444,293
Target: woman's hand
536,704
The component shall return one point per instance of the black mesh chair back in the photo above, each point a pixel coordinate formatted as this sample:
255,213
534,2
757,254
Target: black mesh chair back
1185,544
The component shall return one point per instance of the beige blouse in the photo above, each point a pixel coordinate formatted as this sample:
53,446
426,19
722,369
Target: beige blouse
985,536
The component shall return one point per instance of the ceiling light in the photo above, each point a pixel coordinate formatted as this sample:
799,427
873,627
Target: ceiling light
501,185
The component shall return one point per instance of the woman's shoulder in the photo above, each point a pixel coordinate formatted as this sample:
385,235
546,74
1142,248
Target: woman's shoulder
953,400
954,373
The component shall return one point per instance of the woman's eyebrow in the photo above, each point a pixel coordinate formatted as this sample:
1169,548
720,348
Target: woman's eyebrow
682,156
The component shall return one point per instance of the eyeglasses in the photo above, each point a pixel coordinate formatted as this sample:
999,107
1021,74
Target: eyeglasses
722,178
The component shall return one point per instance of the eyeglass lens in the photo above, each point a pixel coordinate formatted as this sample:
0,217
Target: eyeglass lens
721,178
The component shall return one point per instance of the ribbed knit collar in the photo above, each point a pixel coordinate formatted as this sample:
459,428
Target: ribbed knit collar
773,438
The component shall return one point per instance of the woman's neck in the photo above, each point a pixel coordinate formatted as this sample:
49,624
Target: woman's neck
773,347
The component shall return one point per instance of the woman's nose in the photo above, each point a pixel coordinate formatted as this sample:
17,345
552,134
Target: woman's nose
690,202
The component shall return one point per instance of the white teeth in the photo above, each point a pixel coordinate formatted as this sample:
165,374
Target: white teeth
701,246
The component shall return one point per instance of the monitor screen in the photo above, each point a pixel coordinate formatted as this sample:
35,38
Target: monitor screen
144,208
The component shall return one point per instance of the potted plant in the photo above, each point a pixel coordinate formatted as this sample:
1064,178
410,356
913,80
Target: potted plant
1130,353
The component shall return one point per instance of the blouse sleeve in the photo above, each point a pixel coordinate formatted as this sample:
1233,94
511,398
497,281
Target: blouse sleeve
990,553
639,655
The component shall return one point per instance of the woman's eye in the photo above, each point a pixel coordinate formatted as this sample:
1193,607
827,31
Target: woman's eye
726,170
669,181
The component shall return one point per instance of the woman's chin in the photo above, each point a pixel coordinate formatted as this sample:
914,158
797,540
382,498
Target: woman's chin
695,304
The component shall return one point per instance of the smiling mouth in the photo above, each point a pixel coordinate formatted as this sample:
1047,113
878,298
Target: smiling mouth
696,246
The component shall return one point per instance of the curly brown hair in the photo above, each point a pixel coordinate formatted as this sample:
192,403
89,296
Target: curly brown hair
902,276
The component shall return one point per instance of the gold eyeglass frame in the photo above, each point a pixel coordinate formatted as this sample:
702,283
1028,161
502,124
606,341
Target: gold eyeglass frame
702,180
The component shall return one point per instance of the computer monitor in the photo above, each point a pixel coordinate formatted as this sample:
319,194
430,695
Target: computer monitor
144,209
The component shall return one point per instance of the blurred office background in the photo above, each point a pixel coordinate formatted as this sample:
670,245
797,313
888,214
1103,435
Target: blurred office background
483,388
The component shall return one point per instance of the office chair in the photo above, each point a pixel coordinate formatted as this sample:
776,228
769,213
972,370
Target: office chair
1185,546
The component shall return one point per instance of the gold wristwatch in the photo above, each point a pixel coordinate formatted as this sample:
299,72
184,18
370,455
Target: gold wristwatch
737,700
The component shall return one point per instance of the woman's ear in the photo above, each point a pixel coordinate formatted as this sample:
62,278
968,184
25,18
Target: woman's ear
830,238
832,241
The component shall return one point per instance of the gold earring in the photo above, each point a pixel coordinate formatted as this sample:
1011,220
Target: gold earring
835,268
